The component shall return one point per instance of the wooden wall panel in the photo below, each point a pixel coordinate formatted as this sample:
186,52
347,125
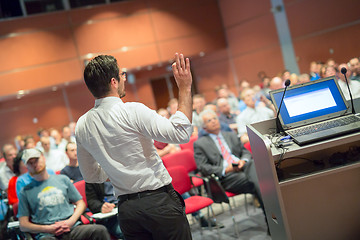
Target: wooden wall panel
113,34
191,46
48,108
253,35
105,12
268,60
328,45
176,23
40,77
35,23
40,47
239,11
308,16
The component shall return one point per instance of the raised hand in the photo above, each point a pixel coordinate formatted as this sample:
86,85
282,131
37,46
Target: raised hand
181,71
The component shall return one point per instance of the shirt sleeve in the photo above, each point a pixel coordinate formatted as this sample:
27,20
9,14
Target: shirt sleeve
23,205
90,169
74,194
241,125
177,129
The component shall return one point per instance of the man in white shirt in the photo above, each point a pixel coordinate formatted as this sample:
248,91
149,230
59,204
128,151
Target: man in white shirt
115,142
6,171
56,159
251,114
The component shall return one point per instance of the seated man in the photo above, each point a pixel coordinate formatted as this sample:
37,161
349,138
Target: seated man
46,201
72,170
100,198
6,170
252,113
222,153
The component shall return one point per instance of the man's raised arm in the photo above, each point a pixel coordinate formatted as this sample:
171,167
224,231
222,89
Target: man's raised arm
182,74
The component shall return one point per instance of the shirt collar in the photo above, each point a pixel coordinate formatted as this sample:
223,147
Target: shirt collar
105,100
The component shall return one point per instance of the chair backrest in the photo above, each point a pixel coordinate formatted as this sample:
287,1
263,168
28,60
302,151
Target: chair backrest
214,190
180,179
15,208
190,144
80,186
183,158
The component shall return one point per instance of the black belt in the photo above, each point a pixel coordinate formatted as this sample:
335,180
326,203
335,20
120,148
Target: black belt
125,197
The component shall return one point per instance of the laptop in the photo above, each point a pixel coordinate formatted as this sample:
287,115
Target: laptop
315,111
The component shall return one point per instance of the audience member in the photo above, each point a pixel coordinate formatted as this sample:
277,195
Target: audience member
251,114
233,102
42,132
225,113
165,148
7,170
100,198
29,142
26,178
19,142
224,126
223,154
285,75
46,205
19,169
304,78
66,134
243,85
353,84
198,106
314,71
55,159
59,142
72,170
276,83
331,62
354,66
173,106
72,126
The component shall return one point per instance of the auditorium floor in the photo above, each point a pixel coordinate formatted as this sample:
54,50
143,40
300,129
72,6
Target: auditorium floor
249,227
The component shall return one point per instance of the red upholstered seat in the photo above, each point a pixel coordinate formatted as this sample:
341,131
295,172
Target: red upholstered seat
186,159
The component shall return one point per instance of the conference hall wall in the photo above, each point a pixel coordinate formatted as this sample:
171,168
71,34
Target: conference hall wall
228,41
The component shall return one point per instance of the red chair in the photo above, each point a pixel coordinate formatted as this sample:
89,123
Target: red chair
248,147
186,159
190,144
86,217
182,184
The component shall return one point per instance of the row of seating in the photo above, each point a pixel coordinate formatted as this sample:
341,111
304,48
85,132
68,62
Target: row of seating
181,166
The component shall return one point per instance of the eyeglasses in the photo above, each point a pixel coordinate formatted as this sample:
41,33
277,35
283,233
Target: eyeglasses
123,75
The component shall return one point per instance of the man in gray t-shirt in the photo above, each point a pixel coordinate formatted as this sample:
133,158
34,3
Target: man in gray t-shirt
46,205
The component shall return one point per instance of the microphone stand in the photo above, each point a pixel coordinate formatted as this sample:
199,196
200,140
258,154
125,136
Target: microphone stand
279,128
343,71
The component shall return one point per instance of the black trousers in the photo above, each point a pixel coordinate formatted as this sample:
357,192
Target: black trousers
157,216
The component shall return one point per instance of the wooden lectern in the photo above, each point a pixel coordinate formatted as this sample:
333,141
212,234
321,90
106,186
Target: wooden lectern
309,197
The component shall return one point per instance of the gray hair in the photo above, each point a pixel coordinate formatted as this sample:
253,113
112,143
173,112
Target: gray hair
204,112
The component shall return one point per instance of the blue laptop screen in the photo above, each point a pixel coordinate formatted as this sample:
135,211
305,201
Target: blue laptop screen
309,101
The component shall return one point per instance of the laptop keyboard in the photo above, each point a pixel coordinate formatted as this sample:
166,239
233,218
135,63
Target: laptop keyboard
324,125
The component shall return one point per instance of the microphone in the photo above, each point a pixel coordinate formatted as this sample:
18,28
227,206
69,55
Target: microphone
279,128
343,71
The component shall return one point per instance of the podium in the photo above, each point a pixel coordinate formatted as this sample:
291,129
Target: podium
309,198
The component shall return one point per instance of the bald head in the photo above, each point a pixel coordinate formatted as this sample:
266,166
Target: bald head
223,106
276,83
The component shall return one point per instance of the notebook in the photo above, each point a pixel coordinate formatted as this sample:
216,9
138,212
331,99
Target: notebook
314,111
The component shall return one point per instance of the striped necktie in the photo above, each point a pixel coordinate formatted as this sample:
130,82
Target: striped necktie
226,155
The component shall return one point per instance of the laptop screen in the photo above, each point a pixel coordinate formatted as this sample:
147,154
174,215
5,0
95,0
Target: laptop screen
309,102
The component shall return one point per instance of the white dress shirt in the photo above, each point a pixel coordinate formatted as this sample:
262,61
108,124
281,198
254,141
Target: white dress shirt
115,141
5,175
56,160
252,115
354,88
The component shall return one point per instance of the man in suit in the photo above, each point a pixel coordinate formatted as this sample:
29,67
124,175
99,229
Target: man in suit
222,153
